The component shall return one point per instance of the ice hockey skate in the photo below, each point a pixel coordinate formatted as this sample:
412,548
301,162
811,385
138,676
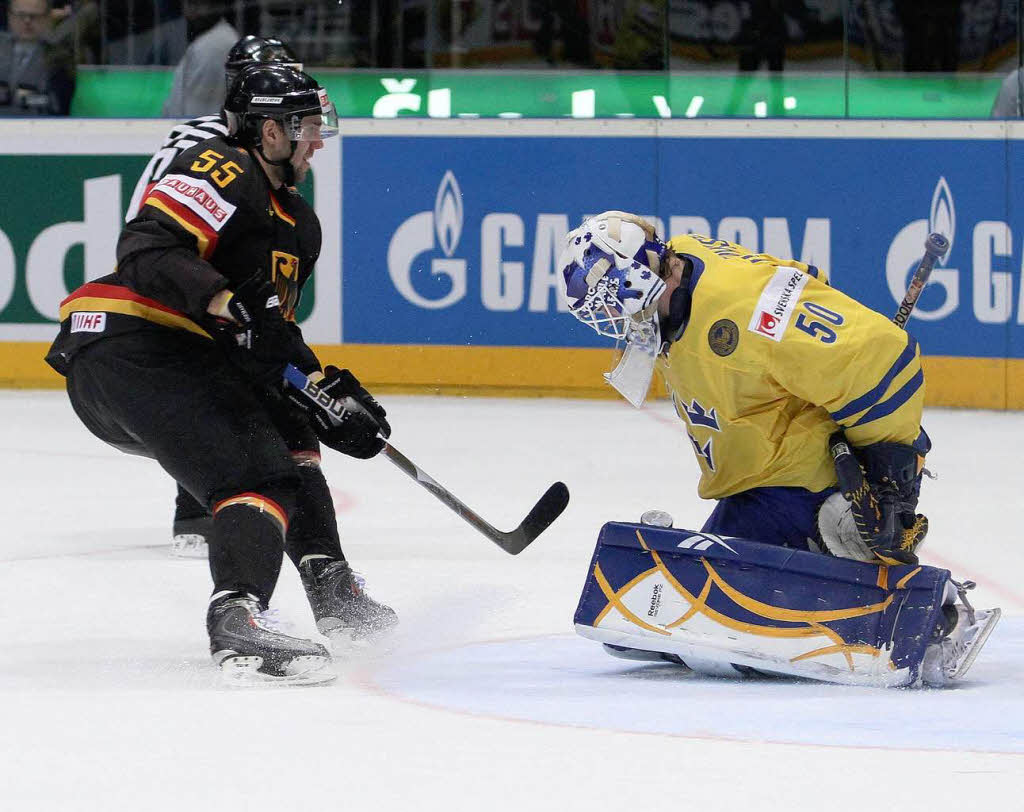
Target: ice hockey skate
190,537
344,613
249,649
950,658
641,656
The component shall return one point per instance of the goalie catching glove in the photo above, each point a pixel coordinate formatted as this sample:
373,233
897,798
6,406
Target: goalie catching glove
343,414
873,517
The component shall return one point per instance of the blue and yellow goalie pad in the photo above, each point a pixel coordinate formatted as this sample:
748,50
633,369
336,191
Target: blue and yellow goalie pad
724,600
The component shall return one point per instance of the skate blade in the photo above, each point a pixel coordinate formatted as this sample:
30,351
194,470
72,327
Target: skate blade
243,670
634,654
641,656
974,647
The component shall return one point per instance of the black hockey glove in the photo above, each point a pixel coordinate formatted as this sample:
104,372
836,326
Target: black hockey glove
882,482
340,382
259,341
355,428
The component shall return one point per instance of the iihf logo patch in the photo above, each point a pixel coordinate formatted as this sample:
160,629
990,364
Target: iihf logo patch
83,322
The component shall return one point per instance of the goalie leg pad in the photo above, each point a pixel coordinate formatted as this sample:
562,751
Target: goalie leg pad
724,601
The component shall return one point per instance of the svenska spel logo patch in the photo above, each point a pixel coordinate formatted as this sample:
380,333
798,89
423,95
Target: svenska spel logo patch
767,324
778,301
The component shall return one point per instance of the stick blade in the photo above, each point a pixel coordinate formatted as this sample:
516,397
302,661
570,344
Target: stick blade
549,508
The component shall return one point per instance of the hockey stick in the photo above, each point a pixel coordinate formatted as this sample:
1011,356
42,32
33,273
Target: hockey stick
935,247
849,473
547,509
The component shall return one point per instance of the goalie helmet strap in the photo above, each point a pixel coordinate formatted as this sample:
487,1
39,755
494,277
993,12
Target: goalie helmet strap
673,325
615,218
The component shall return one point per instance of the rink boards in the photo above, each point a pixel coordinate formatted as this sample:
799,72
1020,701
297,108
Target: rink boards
441,238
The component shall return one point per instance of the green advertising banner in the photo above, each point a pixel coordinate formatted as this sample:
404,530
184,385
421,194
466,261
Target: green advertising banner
53,241
69,185
103,93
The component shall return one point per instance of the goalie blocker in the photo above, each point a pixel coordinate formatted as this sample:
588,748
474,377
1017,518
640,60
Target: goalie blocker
728,606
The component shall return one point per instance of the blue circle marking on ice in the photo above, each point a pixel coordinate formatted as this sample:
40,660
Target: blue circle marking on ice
566,680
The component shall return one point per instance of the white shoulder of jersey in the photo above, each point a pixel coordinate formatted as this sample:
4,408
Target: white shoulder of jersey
181,137
189,133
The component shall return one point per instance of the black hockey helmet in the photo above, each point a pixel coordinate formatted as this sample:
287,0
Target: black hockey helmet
252,50
283,94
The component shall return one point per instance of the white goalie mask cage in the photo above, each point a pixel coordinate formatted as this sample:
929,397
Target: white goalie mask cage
610,271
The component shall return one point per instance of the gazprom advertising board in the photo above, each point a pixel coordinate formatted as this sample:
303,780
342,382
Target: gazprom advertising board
442,237
469,231
467,228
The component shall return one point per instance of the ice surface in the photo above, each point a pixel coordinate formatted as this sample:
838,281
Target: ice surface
486,700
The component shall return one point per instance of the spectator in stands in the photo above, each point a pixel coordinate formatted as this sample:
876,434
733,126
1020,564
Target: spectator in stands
76,27
198,88
37,76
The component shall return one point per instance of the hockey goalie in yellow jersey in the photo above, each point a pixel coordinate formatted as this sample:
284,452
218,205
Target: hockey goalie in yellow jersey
802,405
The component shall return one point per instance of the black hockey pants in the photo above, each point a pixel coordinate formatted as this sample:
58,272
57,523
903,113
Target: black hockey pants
176,399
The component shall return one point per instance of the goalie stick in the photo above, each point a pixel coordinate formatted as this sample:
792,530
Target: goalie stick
547,509
849,473
935,247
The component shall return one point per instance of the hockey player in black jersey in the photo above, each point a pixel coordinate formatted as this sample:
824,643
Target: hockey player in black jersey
249,50
192,522
179,356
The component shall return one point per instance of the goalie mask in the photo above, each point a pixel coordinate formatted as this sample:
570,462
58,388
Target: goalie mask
610,269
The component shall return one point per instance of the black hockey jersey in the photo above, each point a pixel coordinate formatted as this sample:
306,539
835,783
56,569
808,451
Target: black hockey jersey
180,138
211,222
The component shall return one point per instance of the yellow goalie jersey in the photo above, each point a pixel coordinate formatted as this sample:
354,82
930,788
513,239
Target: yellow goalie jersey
772,360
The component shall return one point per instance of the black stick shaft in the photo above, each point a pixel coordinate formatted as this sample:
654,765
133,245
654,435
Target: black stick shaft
412,470
547,509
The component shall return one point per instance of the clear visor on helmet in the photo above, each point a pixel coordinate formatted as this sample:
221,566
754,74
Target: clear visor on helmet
315,125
